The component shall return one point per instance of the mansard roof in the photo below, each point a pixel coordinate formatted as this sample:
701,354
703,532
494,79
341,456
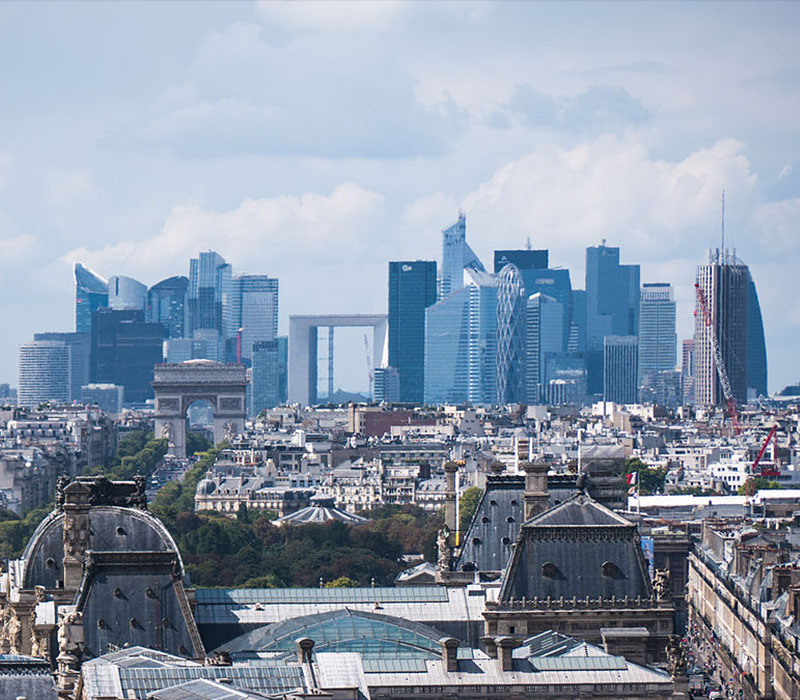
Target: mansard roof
495,525
579,548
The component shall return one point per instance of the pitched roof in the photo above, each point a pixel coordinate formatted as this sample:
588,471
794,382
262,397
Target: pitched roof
581,511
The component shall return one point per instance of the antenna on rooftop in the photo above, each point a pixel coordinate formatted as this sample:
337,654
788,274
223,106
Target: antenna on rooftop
723,221
528,244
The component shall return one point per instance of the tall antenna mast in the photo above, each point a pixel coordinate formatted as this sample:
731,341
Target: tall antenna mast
723,222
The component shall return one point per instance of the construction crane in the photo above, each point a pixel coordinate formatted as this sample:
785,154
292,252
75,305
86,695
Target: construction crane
370,371
774,471
730,401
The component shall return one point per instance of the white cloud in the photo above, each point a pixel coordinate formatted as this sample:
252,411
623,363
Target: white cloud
269,234
15,250
5,168
778,226
609,187
332,15
309,96
65,186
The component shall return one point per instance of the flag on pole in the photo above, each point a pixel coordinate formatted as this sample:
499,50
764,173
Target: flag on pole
632,480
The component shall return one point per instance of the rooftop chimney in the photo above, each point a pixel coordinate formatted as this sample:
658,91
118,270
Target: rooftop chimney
505,648
449,653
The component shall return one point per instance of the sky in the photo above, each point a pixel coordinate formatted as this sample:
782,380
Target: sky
317,141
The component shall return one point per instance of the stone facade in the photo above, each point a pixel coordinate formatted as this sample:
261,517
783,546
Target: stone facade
177,386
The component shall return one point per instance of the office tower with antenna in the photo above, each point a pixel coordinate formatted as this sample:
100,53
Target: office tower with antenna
722,327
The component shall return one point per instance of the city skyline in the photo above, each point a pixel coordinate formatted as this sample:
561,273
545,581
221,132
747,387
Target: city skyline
157,154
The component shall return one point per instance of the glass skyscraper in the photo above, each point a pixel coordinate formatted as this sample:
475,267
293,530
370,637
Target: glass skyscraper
79,346
412,289
621,368
126,294
687,371
44,372
756,346
554,283
254,310
91,293
524,259
125,348
725,283
456,257
210,286
658,340
265,385
612,306
167,305
544,339
511,310
461,343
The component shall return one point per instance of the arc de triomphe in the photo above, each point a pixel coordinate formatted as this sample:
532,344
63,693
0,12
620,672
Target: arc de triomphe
177,386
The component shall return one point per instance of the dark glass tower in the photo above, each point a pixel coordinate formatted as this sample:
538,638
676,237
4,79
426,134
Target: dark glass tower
166,304
612,306
91,293
725,283
756,346
265,385
125,349
523,259
412,289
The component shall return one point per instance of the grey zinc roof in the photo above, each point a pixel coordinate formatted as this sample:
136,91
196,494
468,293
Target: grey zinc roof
347,671
25,676
282,596
579,510
135,602
102,679
577,549
429,604
203,689
111,529
495,525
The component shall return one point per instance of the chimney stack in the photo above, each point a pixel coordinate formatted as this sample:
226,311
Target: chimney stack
505,647
489,646
536,494
304,647
449,653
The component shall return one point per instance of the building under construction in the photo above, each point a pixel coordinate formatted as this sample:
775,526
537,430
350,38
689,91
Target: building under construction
721,317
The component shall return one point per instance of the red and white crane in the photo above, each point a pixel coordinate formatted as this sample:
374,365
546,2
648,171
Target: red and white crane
730,401
775,469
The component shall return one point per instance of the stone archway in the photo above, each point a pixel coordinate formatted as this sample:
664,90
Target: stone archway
176,386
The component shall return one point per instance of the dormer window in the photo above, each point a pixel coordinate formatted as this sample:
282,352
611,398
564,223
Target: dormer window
611,570
550,570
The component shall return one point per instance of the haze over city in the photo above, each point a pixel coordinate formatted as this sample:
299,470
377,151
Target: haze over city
314,142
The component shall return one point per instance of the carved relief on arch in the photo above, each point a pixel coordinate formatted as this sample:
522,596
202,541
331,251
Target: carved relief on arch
168,405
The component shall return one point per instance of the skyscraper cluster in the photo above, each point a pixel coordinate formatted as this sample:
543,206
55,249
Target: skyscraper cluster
123,328
457,333
523,334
